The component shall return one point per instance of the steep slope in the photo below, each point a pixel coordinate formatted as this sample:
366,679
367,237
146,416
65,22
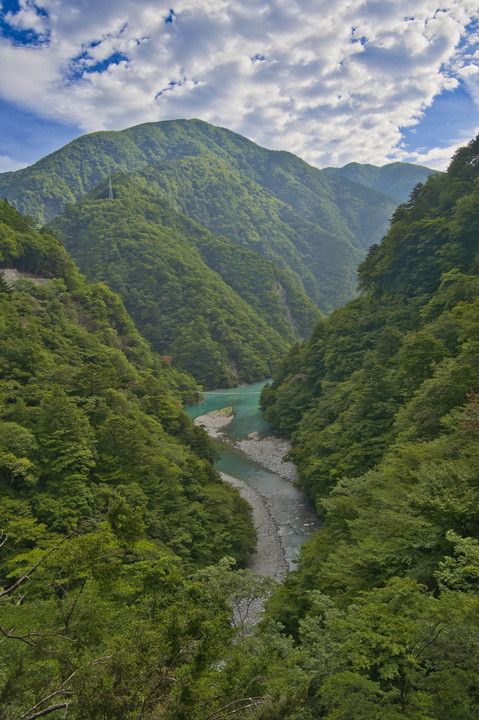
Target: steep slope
225,201
395,332
89,415
110,509
299,212
395,179
383,407
160,263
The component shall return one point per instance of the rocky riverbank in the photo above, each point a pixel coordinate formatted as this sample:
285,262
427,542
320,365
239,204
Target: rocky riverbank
270,558
267,451
274,556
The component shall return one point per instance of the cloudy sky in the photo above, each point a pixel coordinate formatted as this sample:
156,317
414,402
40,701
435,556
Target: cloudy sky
330,80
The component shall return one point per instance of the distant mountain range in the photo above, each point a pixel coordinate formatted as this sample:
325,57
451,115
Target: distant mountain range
396,179
219,248
315,224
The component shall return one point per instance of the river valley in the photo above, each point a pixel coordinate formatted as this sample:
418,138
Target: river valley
251,459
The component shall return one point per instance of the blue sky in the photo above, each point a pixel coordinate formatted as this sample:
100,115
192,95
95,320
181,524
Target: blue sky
453,114
354,80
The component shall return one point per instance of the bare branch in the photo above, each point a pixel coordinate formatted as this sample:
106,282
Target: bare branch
60,691
26,638
48,710
230,709
74,604
26,576
23,638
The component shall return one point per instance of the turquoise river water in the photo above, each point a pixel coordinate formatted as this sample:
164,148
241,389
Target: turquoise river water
292,513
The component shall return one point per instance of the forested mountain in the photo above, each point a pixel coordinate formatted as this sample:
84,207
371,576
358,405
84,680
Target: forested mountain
396,179
117,537
220,311
313,224
227,201
382,404
85,402
110,507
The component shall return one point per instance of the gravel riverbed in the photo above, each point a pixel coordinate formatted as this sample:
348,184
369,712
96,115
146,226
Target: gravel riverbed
270,557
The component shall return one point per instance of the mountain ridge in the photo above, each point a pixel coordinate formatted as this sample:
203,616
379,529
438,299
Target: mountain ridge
395,179
216,308
302,202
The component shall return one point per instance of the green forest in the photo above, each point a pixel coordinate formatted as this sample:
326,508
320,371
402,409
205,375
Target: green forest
382,405
123,553
221,312
315,225
112,516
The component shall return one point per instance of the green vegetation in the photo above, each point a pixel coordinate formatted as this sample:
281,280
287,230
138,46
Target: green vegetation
169,272
383,410
316,226
111,511
396,179
92,419
246,209
117,591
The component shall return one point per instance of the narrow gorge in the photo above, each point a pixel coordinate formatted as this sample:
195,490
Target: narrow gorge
251,458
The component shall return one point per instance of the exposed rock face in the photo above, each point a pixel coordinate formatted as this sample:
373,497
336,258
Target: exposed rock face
10,275
281,293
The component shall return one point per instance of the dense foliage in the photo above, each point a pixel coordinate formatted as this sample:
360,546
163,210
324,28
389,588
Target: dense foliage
111,511
116,601
91,418
257,213
315,225
169,272
383,407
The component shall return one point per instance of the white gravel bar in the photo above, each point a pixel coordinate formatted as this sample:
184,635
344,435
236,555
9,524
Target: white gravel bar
269,452
269,558
214,421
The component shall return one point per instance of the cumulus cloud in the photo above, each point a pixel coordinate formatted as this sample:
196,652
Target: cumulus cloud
8,164
331,82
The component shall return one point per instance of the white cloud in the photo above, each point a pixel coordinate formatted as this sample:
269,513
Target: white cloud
7,164
334,81
438,158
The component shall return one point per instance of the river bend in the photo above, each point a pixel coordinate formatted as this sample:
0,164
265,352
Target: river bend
282,515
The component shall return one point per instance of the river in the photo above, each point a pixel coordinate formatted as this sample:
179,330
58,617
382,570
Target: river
283,516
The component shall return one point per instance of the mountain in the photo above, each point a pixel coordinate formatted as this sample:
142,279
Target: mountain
118,595
382,404
213,308
314,225
379,354
111,511
395,179
85,402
